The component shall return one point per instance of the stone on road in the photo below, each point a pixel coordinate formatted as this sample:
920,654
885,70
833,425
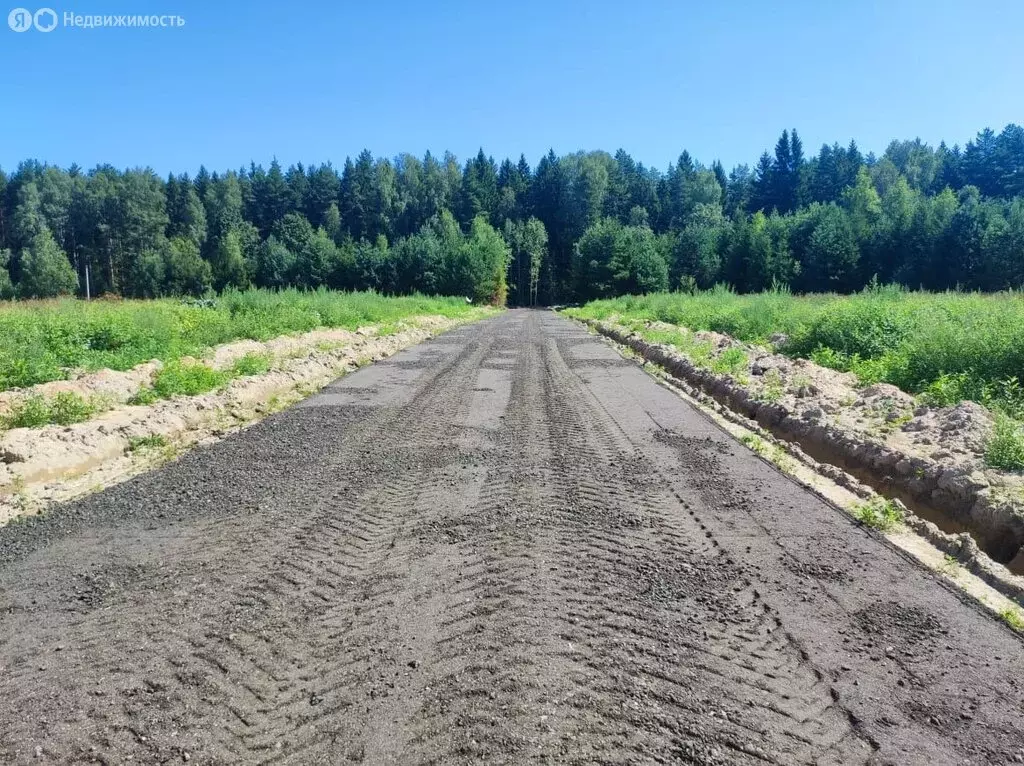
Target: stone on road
507,545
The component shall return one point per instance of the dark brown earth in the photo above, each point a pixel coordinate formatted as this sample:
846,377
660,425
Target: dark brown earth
505,545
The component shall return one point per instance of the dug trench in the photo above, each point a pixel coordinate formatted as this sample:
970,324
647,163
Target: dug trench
949,499
506,544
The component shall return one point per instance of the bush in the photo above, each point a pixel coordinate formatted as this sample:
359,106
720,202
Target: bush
251,364
1005,448
31,412
880,514
729,361
64,408
947,390
67,408
178,379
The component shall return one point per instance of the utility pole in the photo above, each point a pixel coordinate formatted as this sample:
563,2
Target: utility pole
87,281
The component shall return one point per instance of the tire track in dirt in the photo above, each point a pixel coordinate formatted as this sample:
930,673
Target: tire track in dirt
507,545
491,694
333,581
237,676
645,600
825,580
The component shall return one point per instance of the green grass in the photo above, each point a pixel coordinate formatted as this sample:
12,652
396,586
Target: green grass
63,408
252,364
177,379
944,347
732,360
768,451
879,514
31,412
1013,618
773,390
41,341
150,441
951,566
1006,447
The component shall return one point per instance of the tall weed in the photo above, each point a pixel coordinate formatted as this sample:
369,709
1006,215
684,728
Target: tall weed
946,346
41,341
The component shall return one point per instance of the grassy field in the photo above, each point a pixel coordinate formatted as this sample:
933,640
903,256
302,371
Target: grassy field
944,347
41,341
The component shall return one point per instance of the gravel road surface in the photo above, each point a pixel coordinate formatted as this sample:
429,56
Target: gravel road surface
505,545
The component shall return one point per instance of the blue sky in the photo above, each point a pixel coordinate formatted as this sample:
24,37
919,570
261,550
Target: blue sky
317,81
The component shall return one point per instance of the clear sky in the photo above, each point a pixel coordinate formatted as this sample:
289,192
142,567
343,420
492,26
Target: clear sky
317,81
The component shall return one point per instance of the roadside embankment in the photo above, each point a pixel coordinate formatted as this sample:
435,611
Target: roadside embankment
930,459
139,424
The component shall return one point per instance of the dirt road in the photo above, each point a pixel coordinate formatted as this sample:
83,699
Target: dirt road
505,545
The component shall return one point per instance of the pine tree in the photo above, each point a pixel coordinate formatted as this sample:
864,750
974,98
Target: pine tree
785,172
764,186
202,181
321,193
1008,161
548,192
272,198
479,188
298,187
185,212
719,171
739,190
357,196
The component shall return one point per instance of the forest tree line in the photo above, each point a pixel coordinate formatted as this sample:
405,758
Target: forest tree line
575,227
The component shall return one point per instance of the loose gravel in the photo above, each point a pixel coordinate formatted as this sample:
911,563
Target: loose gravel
504,545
